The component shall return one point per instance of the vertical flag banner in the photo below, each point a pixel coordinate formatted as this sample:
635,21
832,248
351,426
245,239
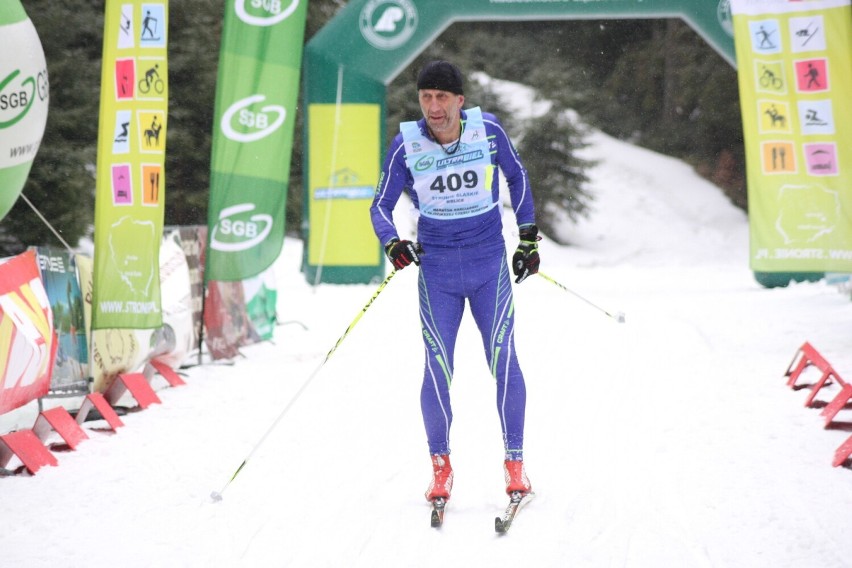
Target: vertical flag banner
794,59
256,95
130,186
24,98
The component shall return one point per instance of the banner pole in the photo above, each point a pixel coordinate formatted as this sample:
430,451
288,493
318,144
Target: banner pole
334,141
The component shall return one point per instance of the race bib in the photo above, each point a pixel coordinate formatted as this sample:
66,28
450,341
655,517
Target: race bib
451,185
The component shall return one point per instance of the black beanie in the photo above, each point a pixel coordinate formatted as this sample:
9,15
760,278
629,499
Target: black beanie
440,75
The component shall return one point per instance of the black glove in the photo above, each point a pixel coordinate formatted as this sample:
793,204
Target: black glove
403,253
525,261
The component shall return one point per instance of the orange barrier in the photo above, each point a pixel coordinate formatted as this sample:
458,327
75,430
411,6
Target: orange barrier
805,357
97,402
137,385
59,420
28,448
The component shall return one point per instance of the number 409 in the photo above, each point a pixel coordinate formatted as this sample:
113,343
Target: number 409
454,182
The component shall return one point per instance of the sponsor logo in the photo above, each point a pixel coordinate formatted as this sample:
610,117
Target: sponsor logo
461,159
424,163
238,231
388,24
254,124
344,185
17,95
354,192
264,12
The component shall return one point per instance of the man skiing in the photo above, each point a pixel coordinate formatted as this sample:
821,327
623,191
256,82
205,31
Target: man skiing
447,163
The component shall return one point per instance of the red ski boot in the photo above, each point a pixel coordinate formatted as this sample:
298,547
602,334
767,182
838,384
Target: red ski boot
442,478
516,477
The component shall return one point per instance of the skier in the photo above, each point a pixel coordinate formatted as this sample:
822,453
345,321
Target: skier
447,163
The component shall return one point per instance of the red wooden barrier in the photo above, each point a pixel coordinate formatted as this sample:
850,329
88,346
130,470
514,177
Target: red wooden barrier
29,449
63,423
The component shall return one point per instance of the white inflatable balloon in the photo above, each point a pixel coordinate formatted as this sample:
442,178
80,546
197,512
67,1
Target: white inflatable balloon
24,98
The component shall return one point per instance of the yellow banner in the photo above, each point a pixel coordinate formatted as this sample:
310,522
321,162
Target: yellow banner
343,183
795,75
130,185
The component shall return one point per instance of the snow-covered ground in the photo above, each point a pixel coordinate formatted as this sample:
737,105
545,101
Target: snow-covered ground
670,440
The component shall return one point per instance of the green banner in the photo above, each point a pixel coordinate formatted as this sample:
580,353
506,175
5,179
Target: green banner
257,89
130,185
24,100
795,76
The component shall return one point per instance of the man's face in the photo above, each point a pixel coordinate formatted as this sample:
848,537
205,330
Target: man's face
440,108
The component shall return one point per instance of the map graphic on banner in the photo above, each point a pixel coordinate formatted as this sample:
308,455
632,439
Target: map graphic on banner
111,351
130,187
256,94
795,75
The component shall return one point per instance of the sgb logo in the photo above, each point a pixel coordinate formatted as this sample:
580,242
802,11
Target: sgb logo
271,10
253,124
424,163
236,231
17,95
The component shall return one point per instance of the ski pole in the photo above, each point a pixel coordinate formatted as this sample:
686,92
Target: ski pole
618,316
217,495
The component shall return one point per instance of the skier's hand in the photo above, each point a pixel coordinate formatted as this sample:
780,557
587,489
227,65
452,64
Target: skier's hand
525,261
402,253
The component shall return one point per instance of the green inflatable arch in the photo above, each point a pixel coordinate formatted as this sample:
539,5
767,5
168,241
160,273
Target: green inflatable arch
347,67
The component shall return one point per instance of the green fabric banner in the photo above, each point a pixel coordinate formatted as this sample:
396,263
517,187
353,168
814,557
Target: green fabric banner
256,95
130,184
795,75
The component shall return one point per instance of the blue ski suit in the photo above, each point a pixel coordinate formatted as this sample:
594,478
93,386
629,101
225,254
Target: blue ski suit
464,258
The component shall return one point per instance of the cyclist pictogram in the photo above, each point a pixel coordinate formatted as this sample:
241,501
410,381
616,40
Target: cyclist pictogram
769,80
152,80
